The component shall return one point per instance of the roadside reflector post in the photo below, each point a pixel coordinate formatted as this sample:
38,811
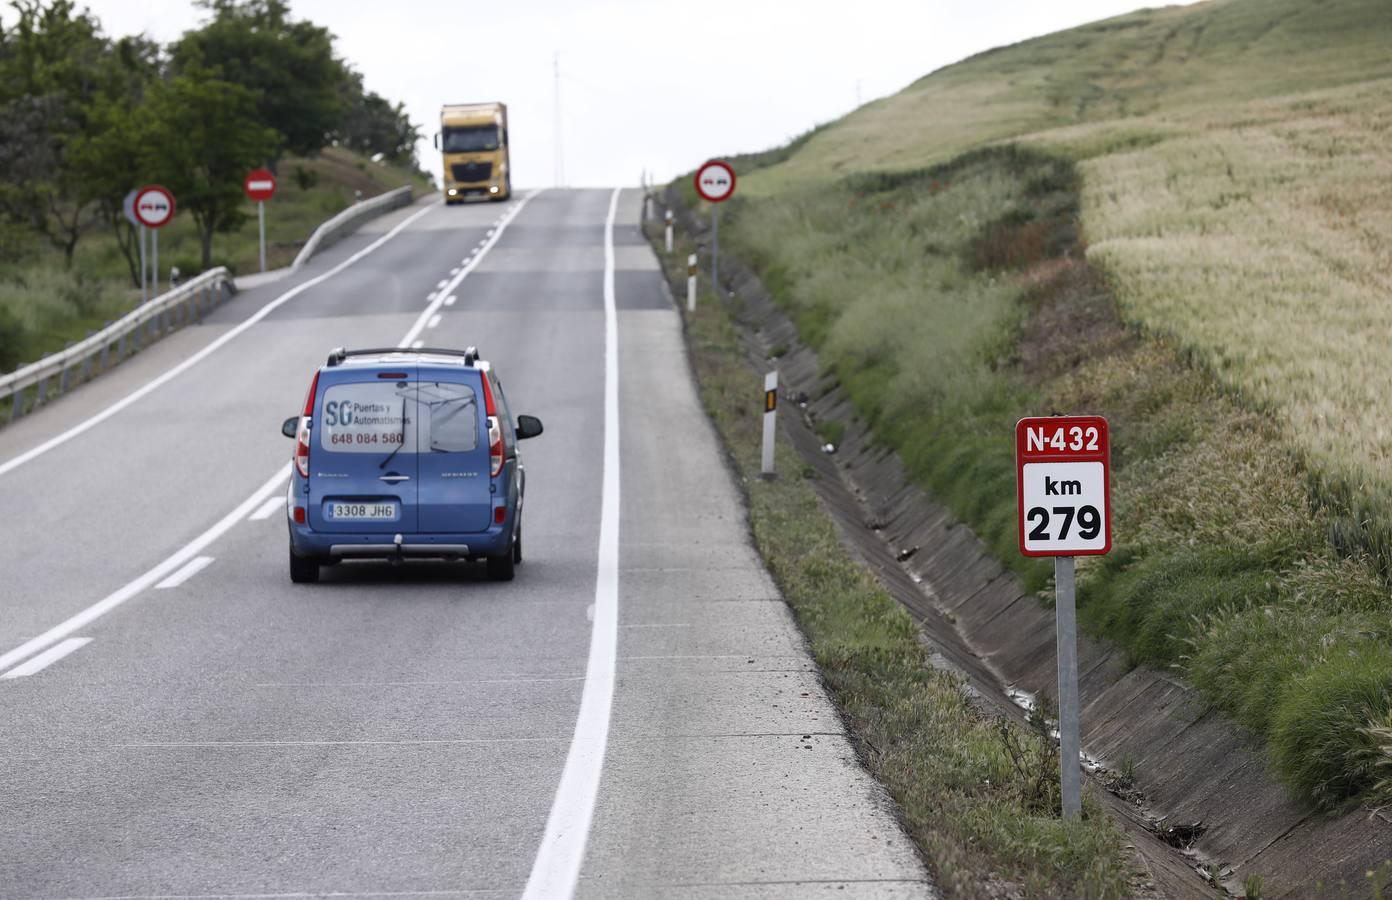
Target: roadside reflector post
770,418
691,283
1063,485
647,207
669,231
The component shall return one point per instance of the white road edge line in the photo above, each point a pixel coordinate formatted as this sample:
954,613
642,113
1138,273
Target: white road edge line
556,870
447,288
261,495
47,658
111,410
268,509
190,569
121,595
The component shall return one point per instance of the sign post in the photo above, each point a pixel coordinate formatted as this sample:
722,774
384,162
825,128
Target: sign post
154,207
128,207
1063,486
260,186
715,183
770,418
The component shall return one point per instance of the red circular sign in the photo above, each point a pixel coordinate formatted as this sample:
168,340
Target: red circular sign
153,206
260,185
715,181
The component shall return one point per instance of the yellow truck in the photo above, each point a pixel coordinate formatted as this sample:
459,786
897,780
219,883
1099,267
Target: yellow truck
474,140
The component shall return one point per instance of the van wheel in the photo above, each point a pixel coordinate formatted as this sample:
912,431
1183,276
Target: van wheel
303,569
502,568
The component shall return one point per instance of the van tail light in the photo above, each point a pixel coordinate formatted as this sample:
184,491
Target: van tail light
302,448
495,446
302,435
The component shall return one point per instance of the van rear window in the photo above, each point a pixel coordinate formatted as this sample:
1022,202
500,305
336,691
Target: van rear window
369,417
449,417
372,416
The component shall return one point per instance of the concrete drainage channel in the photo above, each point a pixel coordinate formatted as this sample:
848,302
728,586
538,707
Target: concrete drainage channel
1194,794
31,386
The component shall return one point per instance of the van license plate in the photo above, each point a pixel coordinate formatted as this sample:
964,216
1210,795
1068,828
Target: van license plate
364,512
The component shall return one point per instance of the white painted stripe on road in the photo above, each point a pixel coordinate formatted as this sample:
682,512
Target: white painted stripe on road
454,271
268,509
556,869
448,288
434,320
47,658
441,283
449,301
190,569
416,345
111,410
179,558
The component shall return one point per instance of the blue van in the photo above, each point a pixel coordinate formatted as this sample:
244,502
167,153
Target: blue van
406,453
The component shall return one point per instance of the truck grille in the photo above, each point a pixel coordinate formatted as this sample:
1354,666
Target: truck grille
470,172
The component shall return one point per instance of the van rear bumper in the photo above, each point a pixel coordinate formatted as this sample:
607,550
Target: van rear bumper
494,542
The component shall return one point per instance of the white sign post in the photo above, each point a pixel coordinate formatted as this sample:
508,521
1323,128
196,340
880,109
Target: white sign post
770,418
669,231
1064,493
154,207
715,183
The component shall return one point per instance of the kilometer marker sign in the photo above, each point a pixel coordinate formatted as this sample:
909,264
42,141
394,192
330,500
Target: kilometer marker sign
1063,485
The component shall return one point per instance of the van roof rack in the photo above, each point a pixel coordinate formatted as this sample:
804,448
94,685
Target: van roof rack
339,354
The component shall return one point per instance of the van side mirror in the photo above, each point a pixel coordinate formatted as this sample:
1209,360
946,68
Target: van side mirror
290,426
528,427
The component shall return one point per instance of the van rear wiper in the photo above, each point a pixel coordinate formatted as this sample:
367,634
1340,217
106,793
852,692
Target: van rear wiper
397,450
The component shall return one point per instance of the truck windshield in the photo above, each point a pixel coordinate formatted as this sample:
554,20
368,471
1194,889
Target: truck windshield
470,139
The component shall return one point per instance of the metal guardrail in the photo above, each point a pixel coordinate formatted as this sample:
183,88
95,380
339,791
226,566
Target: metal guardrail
329,232
55,373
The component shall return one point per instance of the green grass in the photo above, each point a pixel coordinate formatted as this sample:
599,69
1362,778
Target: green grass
43,305
951,301
979,796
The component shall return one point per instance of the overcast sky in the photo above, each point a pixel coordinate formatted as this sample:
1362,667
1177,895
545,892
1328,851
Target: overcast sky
645,84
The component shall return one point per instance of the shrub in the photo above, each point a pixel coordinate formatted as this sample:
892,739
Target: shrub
1321,742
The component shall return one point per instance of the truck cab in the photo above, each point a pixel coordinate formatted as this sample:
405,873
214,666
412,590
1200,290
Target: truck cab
473,138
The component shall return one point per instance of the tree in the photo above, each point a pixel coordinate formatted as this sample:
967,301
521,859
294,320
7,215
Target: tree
372,125
111,155
203,135
52,63
289,66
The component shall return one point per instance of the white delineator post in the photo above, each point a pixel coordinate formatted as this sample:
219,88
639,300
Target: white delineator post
770,418
669,231
691,283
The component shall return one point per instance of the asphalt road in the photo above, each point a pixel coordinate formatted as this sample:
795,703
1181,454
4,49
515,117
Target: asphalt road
635,715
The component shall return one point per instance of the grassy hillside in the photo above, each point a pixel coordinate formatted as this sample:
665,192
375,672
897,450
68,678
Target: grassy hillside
1146,73
43,304
1192,234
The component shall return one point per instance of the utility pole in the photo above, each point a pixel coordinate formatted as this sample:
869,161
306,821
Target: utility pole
560,165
